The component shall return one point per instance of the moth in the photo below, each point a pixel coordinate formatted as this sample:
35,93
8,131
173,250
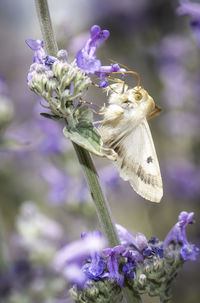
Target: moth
127,140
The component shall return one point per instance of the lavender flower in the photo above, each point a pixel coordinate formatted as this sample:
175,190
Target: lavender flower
126,238
94,270
70,258
178,235
127,269
141,241
113,263
87,60
189,252
39,53
139,264
38,47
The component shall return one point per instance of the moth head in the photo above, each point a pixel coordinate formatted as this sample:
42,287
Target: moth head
141,97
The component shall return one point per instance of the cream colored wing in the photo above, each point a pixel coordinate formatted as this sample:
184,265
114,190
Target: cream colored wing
137,162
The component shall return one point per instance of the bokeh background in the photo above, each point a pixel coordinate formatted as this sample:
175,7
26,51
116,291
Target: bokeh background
44,201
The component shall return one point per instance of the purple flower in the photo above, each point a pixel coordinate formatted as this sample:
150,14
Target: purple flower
126,238
127,269
153,250
94,270
85,58
153,240
87,61
113,263
69,259
141,241
39,53
178,232
40,56
178,235
38,47
189,252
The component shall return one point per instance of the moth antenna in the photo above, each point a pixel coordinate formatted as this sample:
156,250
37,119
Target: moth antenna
117,80
122,65
128,72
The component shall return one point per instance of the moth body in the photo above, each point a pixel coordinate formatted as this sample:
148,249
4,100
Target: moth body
127,140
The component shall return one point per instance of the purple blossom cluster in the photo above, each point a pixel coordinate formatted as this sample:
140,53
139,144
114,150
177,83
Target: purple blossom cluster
87,260
85,58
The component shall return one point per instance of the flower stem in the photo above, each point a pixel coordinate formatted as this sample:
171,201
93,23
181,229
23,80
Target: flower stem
102,207
46,27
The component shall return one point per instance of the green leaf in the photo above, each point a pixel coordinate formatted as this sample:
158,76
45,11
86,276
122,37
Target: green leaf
84,113
85,135
49,116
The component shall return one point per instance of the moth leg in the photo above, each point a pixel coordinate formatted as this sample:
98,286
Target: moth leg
154,113
98,122
81,101
109,153
96,113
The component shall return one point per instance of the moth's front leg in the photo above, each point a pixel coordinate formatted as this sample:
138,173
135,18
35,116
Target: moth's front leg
113,112
109,153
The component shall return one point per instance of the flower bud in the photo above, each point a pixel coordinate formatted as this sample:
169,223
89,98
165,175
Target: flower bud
141,241
62,55
142,280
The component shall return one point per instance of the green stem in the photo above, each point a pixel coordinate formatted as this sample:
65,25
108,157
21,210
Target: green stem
102,207
46,27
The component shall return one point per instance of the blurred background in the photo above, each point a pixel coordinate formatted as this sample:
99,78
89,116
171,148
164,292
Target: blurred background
44,201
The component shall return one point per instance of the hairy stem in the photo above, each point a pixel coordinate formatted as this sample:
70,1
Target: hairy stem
102,207
46,27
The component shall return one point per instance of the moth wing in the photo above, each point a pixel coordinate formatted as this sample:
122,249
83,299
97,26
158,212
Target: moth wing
137,162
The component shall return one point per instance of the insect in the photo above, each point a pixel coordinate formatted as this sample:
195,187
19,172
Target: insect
127,140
